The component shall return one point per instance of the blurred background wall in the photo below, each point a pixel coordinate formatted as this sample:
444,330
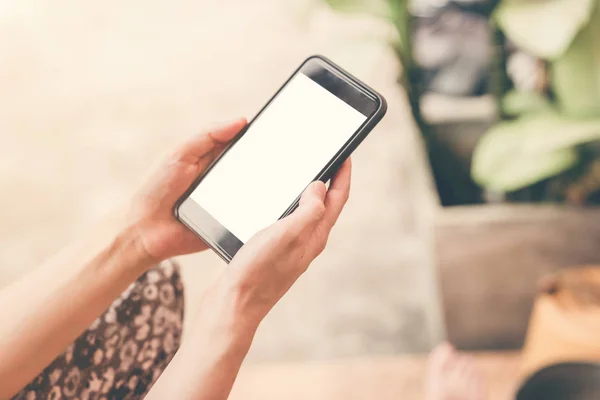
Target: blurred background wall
92,93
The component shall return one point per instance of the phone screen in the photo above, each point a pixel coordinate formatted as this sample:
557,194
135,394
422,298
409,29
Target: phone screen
284,149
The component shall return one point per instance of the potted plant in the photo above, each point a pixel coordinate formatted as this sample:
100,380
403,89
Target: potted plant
547,137
437,66
544,149
539,147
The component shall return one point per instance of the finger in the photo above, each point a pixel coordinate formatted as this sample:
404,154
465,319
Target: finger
202,144
338,194
310,209
441,356
462,365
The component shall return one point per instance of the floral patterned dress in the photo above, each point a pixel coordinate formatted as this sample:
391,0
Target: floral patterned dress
125,350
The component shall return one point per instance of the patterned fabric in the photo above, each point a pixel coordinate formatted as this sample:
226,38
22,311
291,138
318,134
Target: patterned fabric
125,350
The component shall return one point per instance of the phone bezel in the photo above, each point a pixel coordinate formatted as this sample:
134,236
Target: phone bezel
338,82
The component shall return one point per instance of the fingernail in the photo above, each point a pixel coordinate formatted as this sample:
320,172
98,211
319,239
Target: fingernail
234,121
320,190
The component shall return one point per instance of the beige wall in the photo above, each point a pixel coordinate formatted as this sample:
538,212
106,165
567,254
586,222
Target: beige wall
92,92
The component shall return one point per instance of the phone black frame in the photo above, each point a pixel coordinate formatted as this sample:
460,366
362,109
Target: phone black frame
338,82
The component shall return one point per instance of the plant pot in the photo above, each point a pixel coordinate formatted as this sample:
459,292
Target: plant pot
453,128
490,260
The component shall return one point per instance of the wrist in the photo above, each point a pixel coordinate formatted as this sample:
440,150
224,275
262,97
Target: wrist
134,249
219,319
211,352
127,242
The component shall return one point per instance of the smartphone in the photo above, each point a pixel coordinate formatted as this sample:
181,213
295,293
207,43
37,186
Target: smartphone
304,133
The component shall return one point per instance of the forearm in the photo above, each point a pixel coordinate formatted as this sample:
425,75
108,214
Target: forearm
208,361
201,371
47,309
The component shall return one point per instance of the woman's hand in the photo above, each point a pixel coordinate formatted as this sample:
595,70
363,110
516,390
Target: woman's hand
56,302
212,352
270,262
160,234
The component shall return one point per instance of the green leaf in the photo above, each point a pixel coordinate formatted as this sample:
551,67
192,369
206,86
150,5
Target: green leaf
515,154
576,75
376,8
517,102
531,170
400,17
543,28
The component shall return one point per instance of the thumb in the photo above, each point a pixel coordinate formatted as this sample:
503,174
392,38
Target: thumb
311,208
201,144
313,195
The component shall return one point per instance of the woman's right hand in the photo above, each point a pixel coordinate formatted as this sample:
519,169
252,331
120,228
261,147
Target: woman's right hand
270,262
214,348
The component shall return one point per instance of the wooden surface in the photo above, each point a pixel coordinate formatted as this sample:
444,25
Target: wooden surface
565,323
370,378
490,259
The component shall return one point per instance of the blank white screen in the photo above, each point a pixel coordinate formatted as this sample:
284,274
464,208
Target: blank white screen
281,153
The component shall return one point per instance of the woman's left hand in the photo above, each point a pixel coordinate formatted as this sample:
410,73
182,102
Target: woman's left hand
160,234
